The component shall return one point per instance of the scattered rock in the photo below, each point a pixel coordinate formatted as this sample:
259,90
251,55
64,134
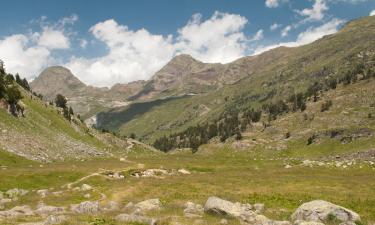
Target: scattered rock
259,208
15,192
150,173
193,210
184,171
111,206
42,193
55,219
85,207
46,210
147,205
17,212
219,206
86,187
320,211
135,219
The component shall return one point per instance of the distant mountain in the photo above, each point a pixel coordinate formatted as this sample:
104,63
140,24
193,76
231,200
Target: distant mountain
85,100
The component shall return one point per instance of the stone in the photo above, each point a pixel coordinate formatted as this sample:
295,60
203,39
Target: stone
219,206
87,195
223,221
193,210
86,187
259,207
184,171
111,206
135,219
307,223
150,204
1,195
86,207
45,210
17,211
320,211
55,219
15,192
42,193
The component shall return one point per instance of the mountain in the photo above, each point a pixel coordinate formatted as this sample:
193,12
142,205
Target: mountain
85,100
249,82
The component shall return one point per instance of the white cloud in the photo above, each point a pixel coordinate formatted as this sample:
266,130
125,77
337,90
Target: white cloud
315,13
275,26
28,54
285,31
372,13
272,3
20,58
53,39
258,36
307,36
134,55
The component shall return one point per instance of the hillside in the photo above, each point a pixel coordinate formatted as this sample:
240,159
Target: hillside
271,76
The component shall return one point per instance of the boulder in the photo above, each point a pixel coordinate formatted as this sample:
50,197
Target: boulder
17,211
320,211
259,207
15,192
46,210
111,206
42,193
184,171
55,219
86,207
193,210
135,219
86,187
147,205
307,223
219,206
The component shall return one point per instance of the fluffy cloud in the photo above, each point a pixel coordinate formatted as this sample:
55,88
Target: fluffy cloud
134,55
285,31
29,53
372,13
315,13
272,3
275,26
308,36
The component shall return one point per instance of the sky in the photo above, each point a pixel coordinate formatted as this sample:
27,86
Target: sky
116,41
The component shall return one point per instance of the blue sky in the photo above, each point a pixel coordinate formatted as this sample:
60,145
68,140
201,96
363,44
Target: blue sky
108,42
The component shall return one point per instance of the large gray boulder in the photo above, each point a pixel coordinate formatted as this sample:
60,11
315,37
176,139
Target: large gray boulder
131,218
320,211
215,205
86,207
148,205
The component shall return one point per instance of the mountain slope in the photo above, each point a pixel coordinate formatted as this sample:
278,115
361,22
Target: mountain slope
271,76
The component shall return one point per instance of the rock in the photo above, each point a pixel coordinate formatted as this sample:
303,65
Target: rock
46,210
147,205
193,210
320,211
307,223
223,221
287,166
85,207
33,223
111,206
86,187
184,171
42,193
1,195
219,206
87,195
122,160
135,219
15,192
259,207
17,211
55,219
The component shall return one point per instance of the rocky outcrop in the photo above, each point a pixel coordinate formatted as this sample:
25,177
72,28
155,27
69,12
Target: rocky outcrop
321,211
86,207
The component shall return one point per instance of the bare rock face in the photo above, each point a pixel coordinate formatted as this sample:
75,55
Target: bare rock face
135,219
320,211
